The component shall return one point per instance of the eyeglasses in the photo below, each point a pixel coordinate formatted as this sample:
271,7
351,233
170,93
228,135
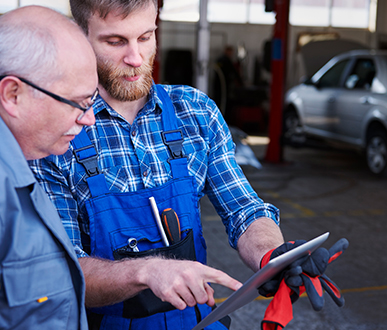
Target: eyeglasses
84,106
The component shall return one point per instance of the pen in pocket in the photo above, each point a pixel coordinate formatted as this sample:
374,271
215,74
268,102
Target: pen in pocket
158,220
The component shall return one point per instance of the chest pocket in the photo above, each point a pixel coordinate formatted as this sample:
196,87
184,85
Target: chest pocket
29,280
38,286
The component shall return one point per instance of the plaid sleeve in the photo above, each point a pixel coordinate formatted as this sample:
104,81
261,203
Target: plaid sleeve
50,174
227,187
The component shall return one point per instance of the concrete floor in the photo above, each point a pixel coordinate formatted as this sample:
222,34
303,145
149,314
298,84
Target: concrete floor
318,190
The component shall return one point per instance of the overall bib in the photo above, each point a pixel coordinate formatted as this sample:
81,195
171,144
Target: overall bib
117,217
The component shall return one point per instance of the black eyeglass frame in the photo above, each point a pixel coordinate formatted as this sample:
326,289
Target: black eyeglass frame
57,97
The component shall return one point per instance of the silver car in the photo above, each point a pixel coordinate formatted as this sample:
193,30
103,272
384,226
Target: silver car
345,101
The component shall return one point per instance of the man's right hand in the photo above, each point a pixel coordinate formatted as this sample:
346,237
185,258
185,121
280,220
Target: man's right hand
180,282
184,283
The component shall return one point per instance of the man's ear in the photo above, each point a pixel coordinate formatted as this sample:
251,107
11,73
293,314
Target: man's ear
11,89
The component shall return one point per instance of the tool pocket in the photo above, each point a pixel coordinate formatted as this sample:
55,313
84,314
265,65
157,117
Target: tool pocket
146,303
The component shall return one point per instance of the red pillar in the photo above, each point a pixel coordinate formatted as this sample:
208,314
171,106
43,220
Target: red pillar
278,72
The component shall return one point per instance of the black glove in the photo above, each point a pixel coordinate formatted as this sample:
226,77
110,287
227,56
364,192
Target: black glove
269,288
304,274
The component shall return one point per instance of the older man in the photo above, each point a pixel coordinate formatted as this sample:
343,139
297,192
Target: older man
48,84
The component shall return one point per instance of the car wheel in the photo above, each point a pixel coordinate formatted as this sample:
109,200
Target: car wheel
293,133
376,152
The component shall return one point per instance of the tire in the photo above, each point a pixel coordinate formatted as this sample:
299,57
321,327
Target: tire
376,152
292,131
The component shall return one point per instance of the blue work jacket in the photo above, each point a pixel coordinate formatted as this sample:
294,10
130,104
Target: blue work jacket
41,282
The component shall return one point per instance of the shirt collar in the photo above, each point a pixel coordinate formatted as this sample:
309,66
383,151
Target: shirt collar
154,102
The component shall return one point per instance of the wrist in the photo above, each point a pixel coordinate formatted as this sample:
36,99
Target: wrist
146,269
266,258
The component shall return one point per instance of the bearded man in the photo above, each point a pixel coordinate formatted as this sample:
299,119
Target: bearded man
169,143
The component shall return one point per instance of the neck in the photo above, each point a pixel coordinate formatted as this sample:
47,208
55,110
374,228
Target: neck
128,110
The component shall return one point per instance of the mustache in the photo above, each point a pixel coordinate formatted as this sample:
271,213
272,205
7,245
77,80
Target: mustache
75,130
115,72
127,72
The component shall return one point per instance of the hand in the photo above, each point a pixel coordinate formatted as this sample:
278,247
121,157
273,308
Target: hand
305,274
184,283
269,288
314,279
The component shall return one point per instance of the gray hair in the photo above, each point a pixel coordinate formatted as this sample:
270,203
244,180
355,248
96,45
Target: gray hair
29,51
82,10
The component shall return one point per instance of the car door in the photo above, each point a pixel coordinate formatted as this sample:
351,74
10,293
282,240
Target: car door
356,100
320,106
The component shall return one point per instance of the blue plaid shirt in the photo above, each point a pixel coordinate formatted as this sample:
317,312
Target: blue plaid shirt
132,157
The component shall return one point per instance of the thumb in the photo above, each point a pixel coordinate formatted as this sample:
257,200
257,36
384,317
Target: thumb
337,249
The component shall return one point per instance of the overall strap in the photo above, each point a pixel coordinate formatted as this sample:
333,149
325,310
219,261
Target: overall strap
86,155
172,136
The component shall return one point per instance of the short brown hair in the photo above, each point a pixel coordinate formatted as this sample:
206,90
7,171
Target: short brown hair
82,10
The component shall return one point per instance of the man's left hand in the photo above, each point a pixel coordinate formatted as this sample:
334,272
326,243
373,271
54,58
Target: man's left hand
304,275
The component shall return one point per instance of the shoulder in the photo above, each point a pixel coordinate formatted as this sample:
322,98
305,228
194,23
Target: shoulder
181,93
196,109
190,102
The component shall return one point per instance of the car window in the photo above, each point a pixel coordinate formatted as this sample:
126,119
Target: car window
332,77
362,75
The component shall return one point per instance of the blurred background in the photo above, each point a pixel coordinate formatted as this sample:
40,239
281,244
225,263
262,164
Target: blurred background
248,55
224,46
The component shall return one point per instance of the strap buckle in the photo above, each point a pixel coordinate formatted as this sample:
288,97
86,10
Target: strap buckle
89,162
174,141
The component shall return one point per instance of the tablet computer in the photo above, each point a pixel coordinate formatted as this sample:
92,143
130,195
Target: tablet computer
248,292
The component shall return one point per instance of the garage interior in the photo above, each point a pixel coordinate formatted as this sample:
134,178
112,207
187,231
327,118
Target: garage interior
318,188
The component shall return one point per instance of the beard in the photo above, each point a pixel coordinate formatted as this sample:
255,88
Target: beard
112,79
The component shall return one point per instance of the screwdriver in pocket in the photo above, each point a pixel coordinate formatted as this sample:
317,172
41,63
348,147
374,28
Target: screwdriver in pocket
171,225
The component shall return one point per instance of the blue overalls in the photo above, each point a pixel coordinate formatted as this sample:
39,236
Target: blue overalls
116,217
